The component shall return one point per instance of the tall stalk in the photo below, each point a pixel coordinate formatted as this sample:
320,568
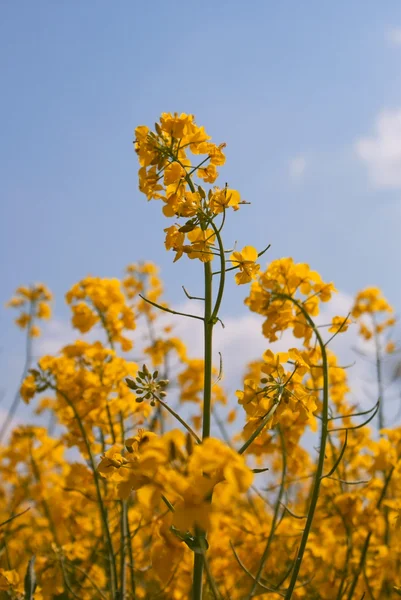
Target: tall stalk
322,449
379,375
28,358
102,507
208,347
208,325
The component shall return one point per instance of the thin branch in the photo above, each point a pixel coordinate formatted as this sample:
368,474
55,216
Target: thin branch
191,297
339,459
14,517
286,509
180,420
357,426
169,310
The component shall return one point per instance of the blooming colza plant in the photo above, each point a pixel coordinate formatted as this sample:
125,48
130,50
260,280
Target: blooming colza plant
128,495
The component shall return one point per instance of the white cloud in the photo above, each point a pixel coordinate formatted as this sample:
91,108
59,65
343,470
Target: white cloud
382,151
393,36
297,166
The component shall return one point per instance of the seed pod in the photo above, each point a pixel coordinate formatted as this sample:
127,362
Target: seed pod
172,451
145,370
131,384
189,444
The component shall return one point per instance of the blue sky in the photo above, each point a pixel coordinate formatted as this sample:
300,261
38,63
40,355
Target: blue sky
306,95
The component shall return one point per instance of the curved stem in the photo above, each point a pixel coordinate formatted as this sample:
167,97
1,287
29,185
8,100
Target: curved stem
169,310
208,343
102,508
207,403
274,521
28,357
322,448
180,420
367,539
380,387
261,426
220,290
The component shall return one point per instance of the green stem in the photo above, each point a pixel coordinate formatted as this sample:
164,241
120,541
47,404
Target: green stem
169,310
379,377
220,291
52,527
369,535
275,518
198,577
262,425
123,541
123,530
131,558
322,449
180,420
208,341
199,562
102,508
28,357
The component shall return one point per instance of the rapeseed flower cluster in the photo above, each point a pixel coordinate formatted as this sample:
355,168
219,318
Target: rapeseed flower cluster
152,480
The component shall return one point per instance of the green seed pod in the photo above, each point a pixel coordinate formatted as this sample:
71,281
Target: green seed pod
131,384
189,444
172,451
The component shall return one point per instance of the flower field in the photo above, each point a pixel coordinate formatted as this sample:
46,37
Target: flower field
150,480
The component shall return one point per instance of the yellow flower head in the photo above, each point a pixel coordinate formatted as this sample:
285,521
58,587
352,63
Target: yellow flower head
246,263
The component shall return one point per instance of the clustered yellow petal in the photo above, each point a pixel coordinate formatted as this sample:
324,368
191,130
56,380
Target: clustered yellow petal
146,473
33,303
169,162
94,300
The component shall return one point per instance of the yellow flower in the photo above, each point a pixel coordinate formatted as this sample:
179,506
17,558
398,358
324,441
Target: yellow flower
201,240
44,311
83,318
339,324
28,388
174,241
23,320
34,331
112,461
208,174
9,580
245,261
222,199
173,173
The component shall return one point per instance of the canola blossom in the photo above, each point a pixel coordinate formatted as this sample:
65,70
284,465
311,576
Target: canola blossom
151,480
